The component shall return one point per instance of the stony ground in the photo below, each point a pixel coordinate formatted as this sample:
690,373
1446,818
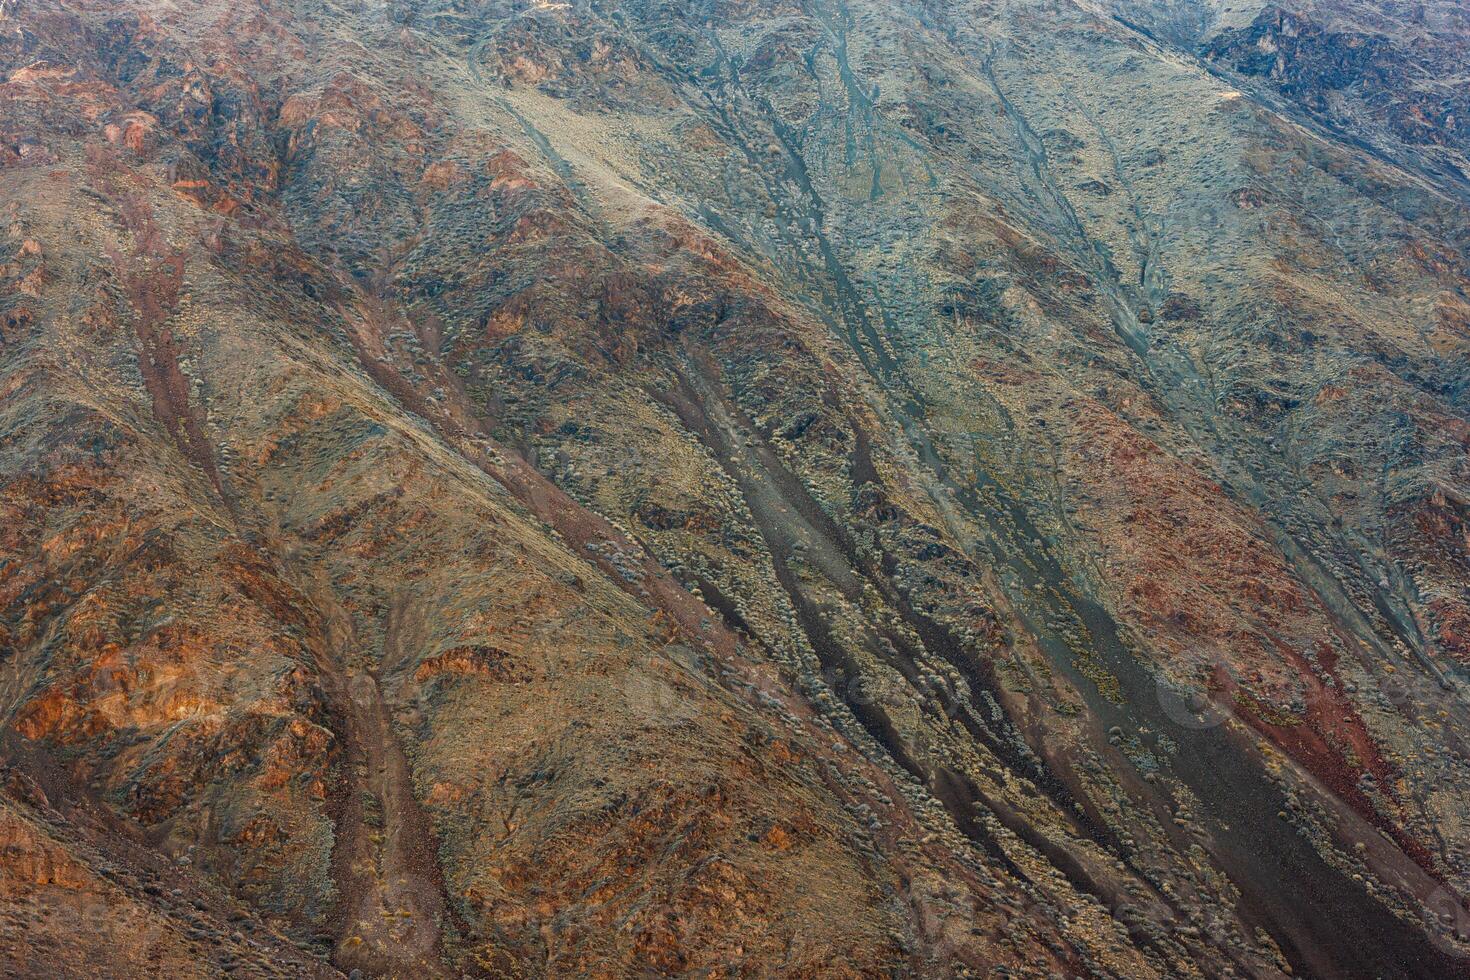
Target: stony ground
734,488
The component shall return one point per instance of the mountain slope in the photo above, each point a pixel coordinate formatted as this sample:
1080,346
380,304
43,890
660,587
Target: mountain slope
733,488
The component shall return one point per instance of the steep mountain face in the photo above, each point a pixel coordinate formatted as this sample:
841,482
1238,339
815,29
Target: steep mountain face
734,488
1388,77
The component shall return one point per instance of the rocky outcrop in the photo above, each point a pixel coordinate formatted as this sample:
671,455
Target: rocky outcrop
1385,77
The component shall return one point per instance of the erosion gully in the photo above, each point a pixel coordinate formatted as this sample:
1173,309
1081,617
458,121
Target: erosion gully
1301,899
1287,887
393,907
790,521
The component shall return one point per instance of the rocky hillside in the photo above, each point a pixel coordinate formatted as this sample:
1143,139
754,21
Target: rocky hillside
861,488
